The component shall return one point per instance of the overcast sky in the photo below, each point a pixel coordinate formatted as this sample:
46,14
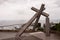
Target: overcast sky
21,9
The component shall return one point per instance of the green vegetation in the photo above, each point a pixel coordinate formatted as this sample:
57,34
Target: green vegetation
56,27
39,28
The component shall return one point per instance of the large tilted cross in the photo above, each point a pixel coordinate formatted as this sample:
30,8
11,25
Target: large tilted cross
36,16
37,19
47,24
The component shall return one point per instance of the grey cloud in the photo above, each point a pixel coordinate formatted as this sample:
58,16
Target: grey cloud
18,9
17,1
14,1
58,3
2,1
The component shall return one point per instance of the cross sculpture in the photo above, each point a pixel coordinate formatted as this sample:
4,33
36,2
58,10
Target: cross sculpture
47,24
36,16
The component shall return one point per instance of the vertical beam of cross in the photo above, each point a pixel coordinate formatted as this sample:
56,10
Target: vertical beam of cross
36,23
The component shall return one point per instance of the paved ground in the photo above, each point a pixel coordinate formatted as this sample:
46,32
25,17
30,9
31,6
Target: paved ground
25,38
29,36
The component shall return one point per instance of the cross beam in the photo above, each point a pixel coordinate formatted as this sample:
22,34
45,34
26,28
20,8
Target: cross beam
43,13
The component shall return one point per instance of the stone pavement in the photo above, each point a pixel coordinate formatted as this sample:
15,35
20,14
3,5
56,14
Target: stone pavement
25,38
37,36
42,35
